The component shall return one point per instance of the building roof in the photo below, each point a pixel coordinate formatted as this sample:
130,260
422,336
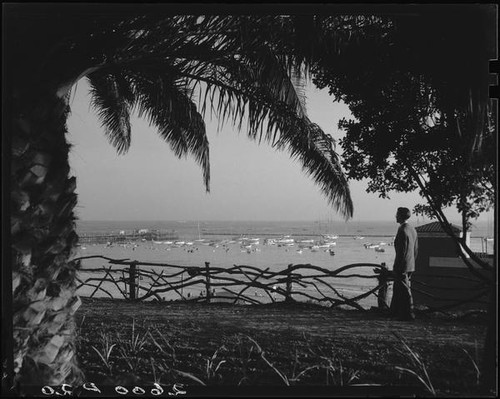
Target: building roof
435,227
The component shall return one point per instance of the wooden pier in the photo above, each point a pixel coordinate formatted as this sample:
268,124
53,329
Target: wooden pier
154,235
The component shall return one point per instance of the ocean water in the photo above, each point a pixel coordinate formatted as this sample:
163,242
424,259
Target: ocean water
209,229
349,249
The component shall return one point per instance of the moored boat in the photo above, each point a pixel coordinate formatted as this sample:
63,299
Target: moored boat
285,240
330,237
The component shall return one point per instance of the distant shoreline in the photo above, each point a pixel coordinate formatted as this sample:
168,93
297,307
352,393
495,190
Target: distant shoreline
296,235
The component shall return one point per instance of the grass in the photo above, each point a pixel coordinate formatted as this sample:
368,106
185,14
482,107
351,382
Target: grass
419,369
209,349
105,351
132,346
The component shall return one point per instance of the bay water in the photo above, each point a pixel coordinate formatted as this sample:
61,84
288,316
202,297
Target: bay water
226,250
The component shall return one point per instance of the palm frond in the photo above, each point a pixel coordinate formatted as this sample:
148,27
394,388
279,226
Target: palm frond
112,98
271,119
320,161
273,113
167,104
244,69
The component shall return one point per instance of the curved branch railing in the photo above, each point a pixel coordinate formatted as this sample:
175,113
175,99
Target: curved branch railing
139,281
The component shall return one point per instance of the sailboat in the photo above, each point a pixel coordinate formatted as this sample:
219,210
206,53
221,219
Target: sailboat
199,234
328,239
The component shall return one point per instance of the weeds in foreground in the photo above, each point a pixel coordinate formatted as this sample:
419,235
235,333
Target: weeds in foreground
213,365
163,340
105,352
419,369
80,326
476,368
131,348
136,342
335,373
169,370
286,380
245,362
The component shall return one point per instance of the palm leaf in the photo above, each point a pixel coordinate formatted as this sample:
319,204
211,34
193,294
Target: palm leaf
166,103
112,99
270,117
243,70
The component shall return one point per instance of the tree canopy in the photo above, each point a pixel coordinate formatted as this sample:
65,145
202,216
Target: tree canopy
418,90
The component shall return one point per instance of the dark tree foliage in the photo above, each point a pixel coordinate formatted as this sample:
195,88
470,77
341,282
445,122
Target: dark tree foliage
417,87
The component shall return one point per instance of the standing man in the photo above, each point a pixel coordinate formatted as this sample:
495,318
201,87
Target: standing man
406,246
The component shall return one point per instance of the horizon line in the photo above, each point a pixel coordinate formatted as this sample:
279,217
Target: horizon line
262,220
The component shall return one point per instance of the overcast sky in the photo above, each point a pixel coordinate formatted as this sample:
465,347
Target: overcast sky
248,181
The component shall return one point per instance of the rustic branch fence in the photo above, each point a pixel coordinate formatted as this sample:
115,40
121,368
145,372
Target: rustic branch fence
135,280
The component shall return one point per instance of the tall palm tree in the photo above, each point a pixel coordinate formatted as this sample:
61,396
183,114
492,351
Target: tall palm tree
168,68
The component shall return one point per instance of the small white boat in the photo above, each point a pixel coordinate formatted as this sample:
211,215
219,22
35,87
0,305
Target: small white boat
250,241
379,249
315,248
331,236
285,240
179,242
299,251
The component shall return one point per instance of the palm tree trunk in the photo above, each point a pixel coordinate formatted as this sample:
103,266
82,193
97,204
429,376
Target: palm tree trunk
43,241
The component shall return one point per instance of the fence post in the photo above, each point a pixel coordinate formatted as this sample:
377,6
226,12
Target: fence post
288,293
207,282
382,292
132,282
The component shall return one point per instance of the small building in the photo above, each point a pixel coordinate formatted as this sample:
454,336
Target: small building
441,276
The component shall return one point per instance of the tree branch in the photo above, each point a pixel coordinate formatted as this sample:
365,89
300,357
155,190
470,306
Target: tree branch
447,228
